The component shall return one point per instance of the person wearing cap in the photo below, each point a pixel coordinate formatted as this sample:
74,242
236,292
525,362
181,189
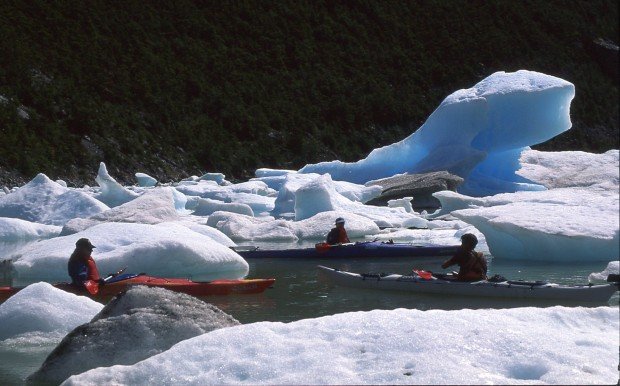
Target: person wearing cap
81,265
473,266
338,235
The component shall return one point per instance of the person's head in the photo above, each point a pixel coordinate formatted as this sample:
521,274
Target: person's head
469,241
339,222
84,245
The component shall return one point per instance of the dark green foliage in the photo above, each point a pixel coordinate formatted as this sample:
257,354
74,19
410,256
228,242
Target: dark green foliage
181,87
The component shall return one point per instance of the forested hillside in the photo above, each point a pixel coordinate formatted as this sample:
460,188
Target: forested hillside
179,87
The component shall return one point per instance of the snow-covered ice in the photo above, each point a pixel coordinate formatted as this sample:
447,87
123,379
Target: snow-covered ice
207,206
165,249
476,133
14,229
152,207
44,201
554,345
145,180
112,193
42,308
133,326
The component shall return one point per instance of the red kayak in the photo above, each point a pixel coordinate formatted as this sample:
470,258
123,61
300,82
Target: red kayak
120,283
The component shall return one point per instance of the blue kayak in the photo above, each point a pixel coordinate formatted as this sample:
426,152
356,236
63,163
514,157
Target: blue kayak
353,250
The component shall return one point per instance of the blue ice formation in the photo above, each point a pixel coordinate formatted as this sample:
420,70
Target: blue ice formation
476,133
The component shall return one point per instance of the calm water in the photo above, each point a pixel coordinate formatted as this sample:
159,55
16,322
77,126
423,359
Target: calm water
299,293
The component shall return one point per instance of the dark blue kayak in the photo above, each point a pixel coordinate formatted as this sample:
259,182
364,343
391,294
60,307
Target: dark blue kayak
352,250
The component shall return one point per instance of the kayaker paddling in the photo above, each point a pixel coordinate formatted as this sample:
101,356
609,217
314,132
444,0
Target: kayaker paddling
338,235
81,266
473,266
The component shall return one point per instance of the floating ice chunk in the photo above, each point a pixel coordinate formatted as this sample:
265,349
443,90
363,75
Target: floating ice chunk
61,183
556,345
112,193
206,206
14,229
285,202
147,320
240,227
145,180
154,206
44,308
404,202
44,201
452,201
612,268
318,226
198,225
266,172
570,168
210,189
166,249
320,195
261,205
476,133
219,178
548,231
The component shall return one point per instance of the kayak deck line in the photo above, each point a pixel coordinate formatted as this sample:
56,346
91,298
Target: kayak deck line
369,249
440,284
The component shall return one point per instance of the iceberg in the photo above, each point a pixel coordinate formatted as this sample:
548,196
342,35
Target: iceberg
14,229
112,193
165,249
42,308
556,345
46,202
476,133
152,207
320,195
206,206
612,268
144,180
147,320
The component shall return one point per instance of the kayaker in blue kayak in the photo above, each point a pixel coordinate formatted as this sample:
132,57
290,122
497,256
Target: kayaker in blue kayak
473,266
81,266
338,235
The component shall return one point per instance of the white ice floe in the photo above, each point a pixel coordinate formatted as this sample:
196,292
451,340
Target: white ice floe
285,201
14,229
153,207
476,133
244,228
206,206
210,189
570,168
556,345
613,267
165,249
44,201
145,180
42,308
565,224
218,178
112,193
320,195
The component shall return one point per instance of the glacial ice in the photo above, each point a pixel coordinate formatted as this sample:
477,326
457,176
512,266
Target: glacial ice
44,201
165,249
612,268
40,307
112,193
145,180
477,133
320,195
207,206
152,207
147,320
14,229
556,345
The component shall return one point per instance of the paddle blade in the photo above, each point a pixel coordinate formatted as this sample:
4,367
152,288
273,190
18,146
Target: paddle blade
92,287
426,275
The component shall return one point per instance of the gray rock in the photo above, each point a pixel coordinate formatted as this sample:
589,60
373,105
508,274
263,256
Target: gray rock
135,325
419,186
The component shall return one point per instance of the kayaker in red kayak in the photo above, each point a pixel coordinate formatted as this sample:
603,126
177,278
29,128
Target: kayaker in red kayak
473,266
338,235
81,265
